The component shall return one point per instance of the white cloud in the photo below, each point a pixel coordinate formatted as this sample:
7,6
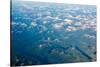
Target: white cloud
71,28
23,25
78,24
68,21
33,24
58,25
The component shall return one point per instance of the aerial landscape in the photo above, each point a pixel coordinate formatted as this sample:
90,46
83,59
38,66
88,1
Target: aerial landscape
52,33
